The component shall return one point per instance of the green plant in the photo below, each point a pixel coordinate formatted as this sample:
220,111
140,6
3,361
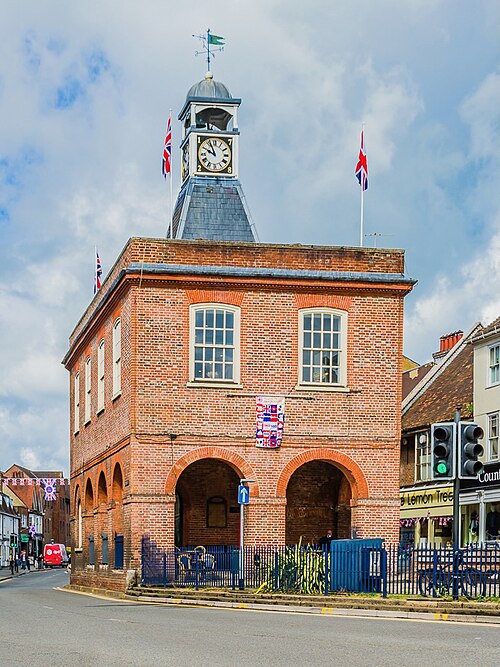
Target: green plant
296,569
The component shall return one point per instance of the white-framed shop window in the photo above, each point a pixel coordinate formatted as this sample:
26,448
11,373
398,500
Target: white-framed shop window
214,343
322,347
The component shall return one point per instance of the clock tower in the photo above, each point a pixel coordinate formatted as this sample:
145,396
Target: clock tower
210,204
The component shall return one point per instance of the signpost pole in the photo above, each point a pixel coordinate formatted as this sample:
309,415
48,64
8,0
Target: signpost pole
241,578
243,499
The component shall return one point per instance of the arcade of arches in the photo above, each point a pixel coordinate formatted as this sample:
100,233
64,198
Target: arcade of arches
318,498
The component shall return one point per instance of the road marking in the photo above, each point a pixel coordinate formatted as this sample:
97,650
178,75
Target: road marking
244,606
45,607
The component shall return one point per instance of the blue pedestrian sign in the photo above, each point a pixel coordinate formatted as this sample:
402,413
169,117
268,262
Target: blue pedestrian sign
243,494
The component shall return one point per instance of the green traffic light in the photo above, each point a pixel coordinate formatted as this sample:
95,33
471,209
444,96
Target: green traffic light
441,468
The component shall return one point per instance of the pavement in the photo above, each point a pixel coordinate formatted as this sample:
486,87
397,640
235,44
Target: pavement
5,573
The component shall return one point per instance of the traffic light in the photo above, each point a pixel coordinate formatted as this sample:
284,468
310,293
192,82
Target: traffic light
470,450
443,449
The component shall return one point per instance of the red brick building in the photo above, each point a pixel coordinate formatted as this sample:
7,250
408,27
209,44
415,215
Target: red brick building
184,341
49,520
156,449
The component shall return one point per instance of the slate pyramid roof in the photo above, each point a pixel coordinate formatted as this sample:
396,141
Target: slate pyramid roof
212,208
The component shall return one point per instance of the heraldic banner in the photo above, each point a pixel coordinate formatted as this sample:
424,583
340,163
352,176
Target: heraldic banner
270,421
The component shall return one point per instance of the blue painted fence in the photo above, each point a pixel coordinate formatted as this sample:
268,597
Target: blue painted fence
351,566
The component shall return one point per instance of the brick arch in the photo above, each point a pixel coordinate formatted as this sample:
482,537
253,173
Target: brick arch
235,461
349,467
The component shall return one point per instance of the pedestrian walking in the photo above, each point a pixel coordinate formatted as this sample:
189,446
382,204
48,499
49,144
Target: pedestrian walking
326,540
11,564
16,564
23,560
28,563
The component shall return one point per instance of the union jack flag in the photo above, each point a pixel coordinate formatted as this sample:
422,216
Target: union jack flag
167,150
362,166
98,273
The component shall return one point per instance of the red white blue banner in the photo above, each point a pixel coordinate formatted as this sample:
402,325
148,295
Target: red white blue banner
270,414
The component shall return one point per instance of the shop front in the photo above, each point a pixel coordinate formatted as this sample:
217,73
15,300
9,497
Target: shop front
480,507
426,515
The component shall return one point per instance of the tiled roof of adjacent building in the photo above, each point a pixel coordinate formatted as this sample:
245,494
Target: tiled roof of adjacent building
486,332
450,386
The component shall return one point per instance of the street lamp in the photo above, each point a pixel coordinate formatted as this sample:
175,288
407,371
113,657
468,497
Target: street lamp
243,498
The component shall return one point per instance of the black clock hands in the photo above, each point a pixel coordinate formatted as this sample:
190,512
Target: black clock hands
212,149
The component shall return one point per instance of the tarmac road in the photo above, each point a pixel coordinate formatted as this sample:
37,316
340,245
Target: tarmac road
41,625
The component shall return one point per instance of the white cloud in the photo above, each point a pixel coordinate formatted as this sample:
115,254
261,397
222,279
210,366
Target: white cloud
85,90
480,111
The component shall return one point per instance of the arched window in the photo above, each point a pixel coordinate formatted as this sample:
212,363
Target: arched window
89,496
323,347
102,490
117,358
214,349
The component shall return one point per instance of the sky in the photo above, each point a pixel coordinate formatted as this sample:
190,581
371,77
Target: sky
85,92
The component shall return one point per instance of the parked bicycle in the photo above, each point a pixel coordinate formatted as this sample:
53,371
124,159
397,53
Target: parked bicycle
436,578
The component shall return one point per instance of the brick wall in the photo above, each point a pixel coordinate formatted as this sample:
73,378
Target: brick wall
338,465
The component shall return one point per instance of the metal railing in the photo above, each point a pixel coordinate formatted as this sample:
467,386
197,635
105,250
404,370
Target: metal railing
347,566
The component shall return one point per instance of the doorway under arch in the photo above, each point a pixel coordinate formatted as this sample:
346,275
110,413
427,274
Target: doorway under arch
206,499
318,499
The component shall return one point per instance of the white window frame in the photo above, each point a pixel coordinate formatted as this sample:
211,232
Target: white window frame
117,357
100,376
88,389
423,456
493,435
342,350
494,364
235,347
76,389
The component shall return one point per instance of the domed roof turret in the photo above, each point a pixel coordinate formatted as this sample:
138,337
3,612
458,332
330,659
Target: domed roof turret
209,88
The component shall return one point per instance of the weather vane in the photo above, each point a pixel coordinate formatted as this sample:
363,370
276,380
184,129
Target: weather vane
209,40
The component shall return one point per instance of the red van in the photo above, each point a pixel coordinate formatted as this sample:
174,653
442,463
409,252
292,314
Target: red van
55,555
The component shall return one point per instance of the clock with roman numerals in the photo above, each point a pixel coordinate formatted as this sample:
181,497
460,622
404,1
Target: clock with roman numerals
215,155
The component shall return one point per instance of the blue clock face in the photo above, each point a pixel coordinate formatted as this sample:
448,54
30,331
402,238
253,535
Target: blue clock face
215,155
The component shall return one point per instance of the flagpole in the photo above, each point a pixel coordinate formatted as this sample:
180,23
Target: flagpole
171,176
361,221
362,184
208,49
